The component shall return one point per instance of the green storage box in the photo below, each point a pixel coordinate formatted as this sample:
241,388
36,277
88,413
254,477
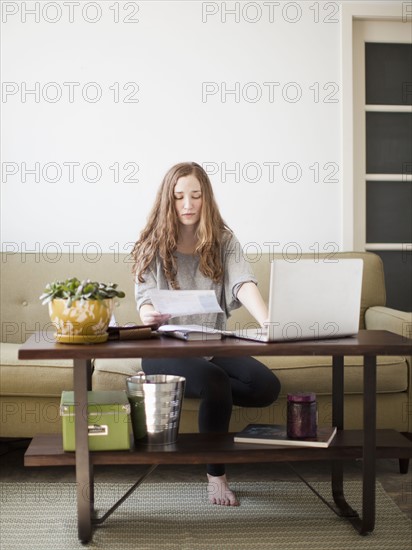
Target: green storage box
108,418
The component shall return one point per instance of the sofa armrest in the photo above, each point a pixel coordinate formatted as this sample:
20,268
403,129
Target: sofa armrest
385,318
400,322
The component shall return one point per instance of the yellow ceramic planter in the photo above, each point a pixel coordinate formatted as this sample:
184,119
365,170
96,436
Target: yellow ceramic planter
84,322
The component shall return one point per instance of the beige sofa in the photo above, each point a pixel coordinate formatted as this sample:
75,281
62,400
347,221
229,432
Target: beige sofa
30,390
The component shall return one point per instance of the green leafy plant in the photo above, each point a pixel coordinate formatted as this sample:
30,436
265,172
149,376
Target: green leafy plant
72,289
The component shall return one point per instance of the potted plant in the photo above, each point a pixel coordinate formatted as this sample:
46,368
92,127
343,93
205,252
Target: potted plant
80,310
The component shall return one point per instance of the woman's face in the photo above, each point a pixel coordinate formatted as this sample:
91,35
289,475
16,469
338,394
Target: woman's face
188,200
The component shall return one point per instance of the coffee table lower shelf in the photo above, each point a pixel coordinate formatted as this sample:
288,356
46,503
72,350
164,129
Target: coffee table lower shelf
194,448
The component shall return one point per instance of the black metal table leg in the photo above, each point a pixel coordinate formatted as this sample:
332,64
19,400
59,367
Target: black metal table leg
91,470
337,391
84,472
338,421
365,524
369,445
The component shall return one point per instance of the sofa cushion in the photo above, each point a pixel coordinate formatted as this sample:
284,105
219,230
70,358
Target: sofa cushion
295,373
110,374
315,374
35,377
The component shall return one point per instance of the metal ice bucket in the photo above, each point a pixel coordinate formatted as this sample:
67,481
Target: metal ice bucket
156,404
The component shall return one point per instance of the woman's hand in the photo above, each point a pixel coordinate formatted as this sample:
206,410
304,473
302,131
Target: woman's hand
150,316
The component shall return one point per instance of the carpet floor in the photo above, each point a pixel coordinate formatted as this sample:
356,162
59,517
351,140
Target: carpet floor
177,516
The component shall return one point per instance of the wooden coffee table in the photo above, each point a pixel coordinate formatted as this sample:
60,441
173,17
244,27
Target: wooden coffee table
368,444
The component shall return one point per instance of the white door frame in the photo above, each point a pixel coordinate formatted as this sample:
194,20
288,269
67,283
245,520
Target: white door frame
351,11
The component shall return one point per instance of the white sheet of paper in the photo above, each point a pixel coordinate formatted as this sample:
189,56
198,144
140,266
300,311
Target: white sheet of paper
185,302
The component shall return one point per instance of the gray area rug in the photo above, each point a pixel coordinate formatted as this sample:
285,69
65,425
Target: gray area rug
177,516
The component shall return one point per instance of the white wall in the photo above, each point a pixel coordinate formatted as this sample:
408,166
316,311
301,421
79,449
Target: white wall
169,53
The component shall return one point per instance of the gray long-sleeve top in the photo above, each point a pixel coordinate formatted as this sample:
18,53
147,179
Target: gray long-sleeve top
236,272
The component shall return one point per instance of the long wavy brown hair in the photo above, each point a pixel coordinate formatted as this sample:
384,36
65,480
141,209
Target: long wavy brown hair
160,236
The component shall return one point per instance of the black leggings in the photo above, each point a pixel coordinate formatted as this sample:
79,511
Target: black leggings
219,384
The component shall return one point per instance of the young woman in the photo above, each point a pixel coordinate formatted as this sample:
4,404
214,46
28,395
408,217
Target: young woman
187,245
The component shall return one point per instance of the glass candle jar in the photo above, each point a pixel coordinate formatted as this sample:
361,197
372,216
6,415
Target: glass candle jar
301,415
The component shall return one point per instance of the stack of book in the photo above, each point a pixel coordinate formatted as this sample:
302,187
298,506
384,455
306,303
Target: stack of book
190,332
274,434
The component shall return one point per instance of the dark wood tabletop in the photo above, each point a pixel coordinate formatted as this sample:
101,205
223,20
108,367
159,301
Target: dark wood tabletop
42,345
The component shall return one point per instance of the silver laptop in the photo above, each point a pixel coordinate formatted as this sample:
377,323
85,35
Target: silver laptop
311,300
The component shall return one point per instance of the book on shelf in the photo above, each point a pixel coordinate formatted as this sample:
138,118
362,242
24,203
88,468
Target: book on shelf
275,434
190,332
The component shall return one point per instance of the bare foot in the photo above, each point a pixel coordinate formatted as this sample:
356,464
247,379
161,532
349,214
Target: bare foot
219,492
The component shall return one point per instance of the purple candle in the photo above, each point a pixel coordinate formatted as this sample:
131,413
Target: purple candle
301,415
